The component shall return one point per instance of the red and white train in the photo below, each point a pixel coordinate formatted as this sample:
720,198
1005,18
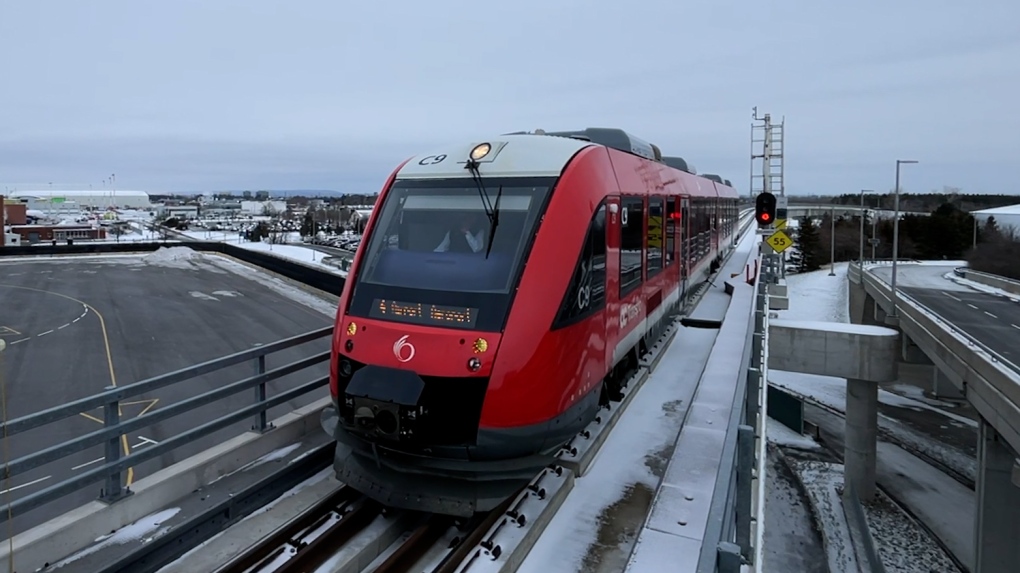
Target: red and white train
503,292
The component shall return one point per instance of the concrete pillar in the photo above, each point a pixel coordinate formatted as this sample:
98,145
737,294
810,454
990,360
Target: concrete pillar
860,442
942,388
858,303
911,353
997,531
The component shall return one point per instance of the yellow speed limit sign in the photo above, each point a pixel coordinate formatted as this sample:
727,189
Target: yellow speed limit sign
779,241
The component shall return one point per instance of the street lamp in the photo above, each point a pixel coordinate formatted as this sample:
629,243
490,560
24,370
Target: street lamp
896,233
832,242
860,257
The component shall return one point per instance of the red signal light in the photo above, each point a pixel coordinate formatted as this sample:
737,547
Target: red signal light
765,217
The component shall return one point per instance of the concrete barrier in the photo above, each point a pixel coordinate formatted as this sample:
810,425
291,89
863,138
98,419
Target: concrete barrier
77,529
1009,285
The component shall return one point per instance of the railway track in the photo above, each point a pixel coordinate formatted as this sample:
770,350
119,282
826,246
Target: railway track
349,533
322,536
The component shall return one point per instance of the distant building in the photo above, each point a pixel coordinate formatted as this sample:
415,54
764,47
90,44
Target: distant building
1005,217
61,233
50,199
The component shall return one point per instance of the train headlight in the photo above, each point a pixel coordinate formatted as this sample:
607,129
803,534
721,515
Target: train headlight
352,329
480,345
474,364
479,151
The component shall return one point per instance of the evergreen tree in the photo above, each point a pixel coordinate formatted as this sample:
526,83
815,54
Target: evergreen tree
809,243
307,225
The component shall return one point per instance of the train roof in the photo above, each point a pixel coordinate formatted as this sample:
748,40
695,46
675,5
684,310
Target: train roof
545,155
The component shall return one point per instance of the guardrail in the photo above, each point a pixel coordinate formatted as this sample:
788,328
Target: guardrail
990,382
114,429
733,512
988,279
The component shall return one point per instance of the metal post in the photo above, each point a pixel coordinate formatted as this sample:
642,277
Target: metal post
874,235
261,424
111,418
860,256
745,473
832,243
896,235
975,230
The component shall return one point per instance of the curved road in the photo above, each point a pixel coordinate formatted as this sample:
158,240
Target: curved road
991,319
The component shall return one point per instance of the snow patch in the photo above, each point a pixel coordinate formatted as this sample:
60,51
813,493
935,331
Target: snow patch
843,327
201,295
227,293
172,257
133,532
890,399
982,287
778,433
292,292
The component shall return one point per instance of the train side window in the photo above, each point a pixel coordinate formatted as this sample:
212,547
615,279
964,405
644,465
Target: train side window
632,235
670,229
655,255
586,293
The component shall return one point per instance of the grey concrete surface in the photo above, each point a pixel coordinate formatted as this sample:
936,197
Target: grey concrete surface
75,325
864,356
992,320
182,489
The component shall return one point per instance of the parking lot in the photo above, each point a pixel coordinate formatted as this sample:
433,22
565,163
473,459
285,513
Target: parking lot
74,326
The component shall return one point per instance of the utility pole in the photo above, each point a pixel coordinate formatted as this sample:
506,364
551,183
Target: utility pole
896,235
832,243
860,256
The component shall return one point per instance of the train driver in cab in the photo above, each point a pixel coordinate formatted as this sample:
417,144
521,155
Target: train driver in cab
468,237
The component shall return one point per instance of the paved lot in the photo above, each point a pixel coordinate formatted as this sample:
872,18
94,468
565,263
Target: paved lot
74,326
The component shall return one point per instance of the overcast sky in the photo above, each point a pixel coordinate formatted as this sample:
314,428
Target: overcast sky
193,95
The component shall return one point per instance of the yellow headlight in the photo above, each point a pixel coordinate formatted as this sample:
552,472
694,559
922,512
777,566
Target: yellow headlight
352,329
481,345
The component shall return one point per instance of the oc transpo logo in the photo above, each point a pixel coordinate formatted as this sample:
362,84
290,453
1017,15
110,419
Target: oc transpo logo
403,350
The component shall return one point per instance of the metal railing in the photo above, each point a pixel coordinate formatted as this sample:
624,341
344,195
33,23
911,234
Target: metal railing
728,532
114,428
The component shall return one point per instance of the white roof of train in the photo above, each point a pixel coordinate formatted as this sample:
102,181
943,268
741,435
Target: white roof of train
542,156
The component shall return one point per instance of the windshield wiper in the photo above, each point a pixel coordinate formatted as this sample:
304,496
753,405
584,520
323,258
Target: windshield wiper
491,211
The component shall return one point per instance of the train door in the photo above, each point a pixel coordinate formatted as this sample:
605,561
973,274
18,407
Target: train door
612,265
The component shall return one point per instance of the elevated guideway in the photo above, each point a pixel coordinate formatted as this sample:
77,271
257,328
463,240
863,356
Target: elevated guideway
201,495
970,337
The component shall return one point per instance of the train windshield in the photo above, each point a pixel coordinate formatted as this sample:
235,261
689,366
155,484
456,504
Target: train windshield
430,246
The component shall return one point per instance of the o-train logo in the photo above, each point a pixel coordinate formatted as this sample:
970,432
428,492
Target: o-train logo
628,312
403,350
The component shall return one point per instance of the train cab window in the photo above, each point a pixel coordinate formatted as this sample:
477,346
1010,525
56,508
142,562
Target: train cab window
671,217
656,244
632,235
586,293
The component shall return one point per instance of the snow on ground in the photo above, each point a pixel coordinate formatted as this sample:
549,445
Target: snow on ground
974,285
915,275
902,545
297,253
133,532
587,533
777,433
790,542
815,297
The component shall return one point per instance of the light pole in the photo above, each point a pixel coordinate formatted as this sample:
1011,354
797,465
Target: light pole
832,242
896,233
860,257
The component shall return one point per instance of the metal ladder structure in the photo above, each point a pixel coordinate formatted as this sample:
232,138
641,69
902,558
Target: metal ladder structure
768,168
767,146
